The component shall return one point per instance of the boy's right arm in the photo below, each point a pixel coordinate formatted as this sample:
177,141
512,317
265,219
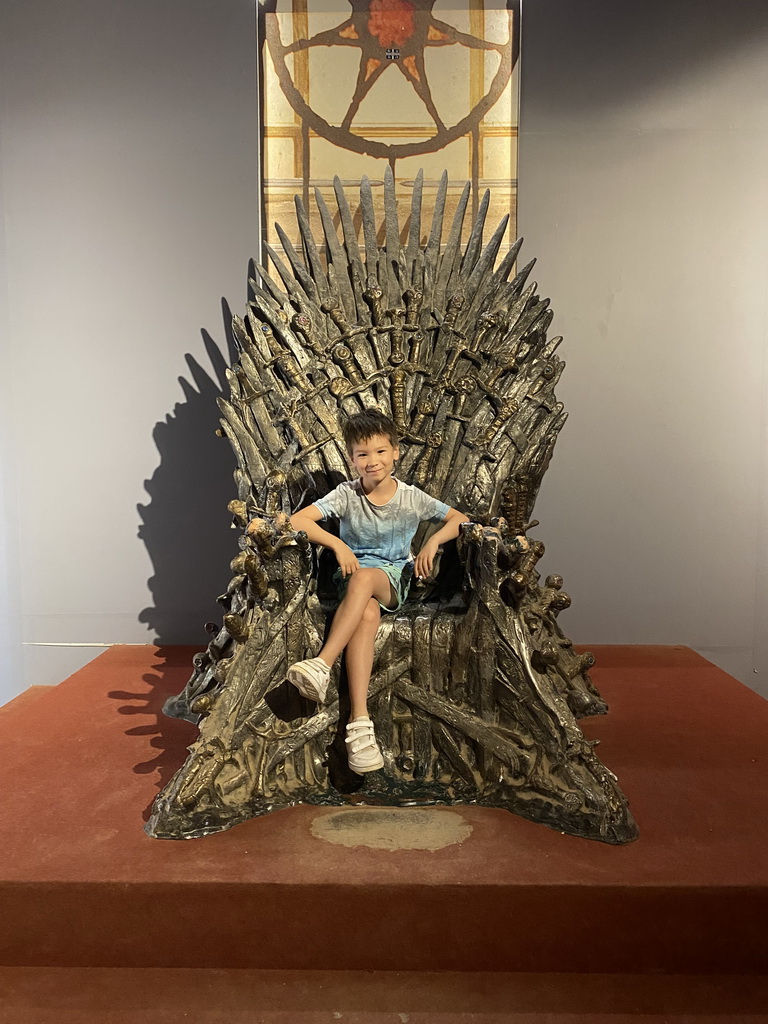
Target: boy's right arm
308,520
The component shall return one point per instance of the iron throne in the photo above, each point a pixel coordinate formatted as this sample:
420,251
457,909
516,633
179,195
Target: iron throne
475,690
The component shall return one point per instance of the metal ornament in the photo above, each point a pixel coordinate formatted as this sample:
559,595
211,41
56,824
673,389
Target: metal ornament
475,691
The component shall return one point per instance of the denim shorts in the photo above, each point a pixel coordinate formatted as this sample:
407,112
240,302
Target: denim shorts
399,578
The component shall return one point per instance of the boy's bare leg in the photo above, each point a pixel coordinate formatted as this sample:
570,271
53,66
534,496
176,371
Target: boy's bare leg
359,658
363,585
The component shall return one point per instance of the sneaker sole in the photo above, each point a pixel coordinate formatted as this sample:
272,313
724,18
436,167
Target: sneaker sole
368,767
305,687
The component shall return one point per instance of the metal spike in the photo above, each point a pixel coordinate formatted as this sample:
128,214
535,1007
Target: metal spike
267,305
292,285
391,218
348,228
452,250
482,281
552,346
297,266
505,267
436,231
475,242
522,277
338,259
369,228
414,231
310,248
269,283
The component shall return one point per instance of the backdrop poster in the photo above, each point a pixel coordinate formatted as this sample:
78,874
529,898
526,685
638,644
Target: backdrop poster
349,87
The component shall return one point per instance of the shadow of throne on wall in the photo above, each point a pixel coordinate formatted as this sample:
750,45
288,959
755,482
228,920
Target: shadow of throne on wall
475,691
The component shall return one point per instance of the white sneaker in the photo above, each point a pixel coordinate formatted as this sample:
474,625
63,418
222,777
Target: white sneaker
310,678
363,752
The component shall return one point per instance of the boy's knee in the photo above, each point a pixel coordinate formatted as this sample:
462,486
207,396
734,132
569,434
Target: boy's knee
363,579
369,583
372,612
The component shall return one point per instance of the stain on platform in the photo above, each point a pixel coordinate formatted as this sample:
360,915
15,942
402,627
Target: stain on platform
392,828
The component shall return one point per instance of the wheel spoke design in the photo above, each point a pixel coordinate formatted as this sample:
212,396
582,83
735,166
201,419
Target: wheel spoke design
390,33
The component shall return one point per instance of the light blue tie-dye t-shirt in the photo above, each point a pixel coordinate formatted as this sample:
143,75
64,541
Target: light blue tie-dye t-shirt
380,533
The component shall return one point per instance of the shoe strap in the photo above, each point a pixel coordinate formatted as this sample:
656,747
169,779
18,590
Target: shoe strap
358,748
360,736
361,725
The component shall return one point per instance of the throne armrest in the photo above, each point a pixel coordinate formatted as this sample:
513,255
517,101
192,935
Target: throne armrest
272,578
493,558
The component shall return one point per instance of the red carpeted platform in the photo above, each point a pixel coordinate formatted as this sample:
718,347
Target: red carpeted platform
81,885
60,995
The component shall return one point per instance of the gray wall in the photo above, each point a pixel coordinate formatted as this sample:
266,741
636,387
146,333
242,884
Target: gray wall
128,175
129,168
11,678
643,191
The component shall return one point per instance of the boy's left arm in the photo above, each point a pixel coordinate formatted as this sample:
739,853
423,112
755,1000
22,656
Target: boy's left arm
422,566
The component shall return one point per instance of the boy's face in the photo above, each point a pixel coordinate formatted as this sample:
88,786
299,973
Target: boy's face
374,458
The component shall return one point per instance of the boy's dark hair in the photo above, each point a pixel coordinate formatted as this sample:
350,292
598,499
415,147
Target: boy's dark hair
362,425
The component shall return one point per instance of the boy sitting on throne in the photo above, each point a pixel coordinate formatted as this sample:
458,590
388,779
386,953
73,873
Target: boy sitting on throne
378,516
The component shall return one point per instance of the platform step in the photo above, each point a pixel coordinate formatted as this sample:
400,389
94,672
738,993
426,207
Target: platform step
125,996
82,886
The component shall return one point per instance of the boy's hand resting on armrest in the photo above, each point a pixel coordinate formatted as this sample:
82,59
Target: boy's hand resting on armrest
346,558
422,565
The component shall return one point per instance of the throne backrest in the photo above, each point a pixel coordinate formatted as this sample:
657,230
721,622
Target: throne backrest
436,336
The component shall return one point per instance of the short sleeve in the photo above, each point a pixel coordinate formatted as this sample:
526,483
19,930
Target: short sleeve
334,504
428,507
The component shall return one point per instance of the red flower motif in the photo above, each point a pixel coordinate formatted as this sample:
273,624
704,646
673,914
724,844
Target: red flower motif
391,21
